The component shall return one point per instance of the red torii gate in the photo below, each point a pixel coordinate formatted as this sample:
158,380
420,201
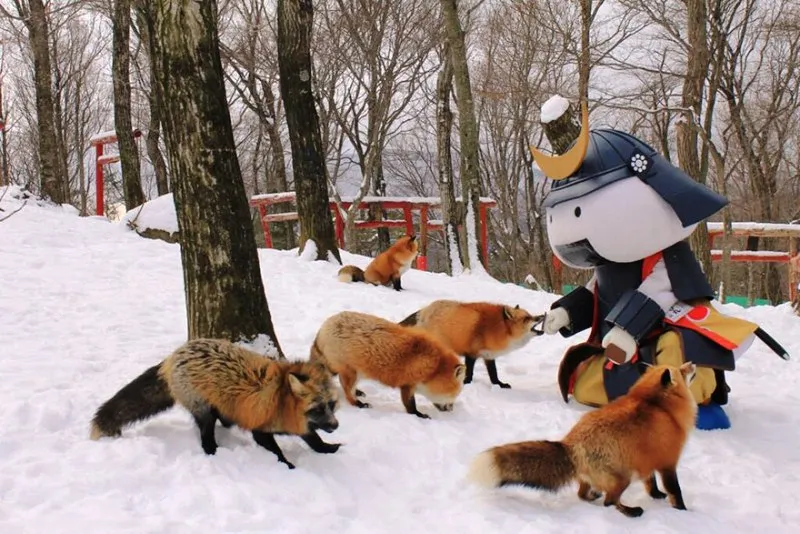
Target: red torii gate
409,205
98,141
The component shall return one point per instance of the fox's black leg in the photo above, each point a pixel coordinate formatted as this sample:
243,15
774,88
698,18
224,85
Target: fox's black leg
670,479
205,422
652,488
316,443
225,422
407,395
396,284
491,367
267,441
360,393
470,362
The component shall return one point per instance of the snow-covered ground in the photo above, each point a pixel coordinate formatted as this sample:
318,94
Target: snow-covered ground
87,305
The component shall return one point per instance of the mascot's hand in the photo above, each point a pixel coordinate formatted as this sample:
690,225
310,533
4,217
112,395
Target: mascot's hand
619,345
555,320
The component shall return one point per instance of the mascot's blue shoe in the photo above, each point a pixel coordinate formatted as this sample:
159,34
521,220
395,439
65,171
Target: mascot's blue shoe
712,417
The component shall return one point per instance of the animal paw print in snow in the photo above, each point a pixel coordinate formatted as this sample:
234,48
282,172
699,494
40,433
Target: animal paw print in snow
639,163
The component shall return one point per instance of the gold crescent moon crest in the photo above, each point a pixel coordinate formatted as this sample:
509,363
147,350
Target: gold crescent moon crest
560,167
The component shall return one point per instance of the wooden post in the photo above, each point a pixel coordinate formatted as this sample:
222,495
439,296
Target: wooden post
262,211
484,236
99,184
409,219
422,259
338,225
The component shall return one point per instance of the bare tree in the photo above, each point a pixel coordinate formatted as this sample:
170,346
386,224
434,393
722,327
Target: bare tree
120,66
154,99
52,167
468,134
251,57
295,21
444,129
384,47
224,292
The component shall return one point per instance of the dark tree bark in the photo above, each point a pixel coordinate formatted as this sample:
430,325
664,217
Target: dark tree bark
154,101
225,295
563,131
468,133
692,99
120,68
53,176
444,127
295,21
5,176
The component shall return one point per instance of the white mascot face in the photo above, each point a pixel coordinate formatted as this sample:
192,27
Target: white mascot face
622,222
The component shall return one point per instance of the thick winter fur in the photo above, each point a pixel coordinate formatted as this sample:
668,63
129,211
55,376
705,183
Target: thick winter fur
387,267
216,379
630,438
357,345
477,330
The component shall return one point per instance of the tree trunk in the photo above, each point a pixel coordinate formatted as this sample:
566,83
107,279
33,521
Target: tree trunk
120,67
154,101
277,181
225,295
444,127
563,131
295,21
5,176
52,179
692,98
468,135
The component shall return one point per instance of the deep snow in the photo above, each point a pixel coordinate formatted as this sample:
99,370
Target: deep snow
87,305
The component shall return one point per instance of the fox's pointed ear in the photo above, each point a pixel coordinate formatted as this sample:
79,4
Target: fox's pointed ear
516,307
298,388
666,378
461,372
411,238
642,367
508,313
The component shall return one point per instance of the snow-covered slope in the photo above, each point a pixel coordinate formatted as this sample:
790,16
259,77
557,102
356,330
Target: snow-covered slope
87,305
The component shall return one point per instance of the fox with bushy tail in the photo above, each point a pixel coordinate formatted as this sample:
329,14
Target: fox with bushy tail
387,267
634,436
218,380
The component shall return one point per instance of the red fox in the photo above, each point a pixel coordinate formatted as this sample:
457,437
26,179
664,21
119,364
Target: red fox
631,437
357,345
218,380
477,330
387,267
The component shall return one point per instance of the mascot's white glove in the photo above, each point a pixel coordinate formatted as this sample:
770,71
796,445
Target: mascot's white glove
623,341
555,320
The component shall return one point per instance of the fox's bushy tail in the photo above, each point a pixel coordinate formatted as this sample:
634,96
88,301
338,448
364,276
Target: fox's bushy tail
544,465
351,273
147,395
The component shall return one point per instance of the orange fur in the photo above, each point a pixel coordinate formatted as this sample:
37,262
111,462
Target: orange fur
477,329
215,380
387,267
357,345
630,438
246,388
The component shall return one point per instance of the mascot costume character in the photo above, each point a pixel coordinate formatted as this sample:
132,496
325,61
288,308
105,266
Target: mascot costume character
619,208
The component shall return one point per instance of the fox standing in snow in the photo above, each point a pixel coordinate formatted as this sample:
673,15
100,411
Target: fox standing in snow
387,267
477,330
357,345
631,437
216,379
